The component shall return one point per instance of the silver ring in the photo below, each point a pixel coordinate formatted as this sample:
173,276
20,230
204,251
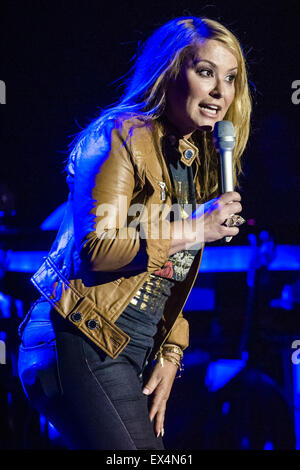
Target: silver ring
234,221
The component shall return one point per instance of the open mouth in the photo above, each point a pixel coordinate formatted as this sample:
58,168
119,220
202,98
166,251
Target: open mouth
210,109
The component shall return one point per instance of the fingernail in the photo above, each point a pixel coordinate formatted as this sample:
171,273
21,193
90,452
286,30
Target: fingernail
146,391
157,435
162,432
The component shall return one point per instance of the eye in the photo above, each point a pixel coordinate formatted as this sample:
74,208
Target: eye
205,72
231,78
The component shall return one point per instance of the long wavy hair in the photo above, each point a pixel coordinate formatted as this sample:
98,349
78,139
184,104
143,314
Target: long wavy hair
161,59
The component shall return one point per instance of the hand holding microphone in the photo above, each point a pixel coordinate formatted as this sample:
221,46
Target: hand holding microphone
219,217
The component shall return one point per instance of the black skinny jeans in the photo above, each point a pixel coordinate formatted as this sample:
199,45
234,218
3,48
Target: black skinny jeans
93,401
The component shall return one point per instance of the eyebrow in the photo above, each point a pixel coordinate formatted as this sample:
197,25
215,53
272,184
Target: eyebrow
212,64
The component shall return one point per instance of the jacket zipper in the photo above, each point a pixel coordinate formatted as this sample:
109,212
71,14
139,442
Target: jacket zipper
162,185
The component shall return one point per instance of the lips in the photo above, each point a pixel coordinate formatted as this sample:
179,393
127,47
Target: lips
209,109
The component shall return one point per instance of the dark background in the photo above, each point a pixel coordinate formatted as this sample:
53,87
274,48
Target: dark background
61,62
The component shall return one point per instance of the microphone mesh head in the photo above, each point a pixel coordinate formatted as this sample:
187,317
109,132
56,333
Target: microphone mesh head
223,129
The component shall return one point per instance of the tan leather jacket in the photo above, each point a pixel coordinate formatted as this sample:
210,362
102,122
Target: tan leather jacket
89,276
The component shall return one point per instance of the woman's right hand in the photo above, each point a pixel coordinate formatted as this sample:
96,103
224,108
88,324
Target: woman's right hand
206,224
213,215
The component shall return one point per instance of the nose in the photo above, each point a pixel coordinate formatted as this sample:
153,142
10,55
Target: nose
218,91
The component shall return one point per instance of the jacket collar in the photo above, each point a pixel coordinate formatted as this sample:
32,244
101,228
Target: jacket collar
163,134
187,150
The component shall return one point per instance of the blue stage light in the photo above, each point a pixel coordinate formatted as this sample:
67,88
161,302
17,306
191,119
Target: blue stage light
214,260
220,372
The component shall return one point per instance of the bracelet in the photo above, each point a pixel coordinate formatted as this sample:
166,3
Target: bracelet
173,348
161,357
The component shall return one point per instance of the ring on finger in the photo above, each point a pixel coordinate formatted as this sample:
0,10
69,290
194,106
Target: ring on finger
234,221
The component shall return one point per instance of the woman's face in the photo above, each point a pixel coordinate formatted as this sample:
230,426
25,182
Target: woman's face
204,90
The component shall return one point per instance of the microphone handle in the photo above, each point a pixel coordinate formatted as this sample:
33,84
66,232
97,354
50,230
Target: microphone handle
226,174
226,170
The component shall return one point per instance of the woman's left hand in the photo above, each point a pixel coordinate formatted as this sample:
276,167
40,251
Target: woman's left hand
160,384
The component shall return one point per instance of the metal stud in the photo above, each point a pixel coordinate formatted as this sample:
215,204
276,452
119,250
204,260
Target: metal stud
76,317
188,154
92,324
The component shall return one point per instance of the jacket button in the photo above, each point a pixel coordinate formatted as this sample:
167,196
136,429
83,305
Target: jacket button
188,154
76,317
92,324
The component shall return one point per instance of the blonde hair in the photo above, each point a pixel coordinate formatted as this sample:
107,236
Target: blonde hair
239,112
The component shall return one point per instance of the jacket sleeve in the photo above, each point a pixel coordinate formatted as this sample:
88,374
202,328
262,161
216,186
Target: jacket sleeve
103,184
179,333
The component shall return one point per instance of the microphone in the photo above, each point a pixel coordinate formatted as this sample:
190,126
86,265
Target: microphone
224,142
